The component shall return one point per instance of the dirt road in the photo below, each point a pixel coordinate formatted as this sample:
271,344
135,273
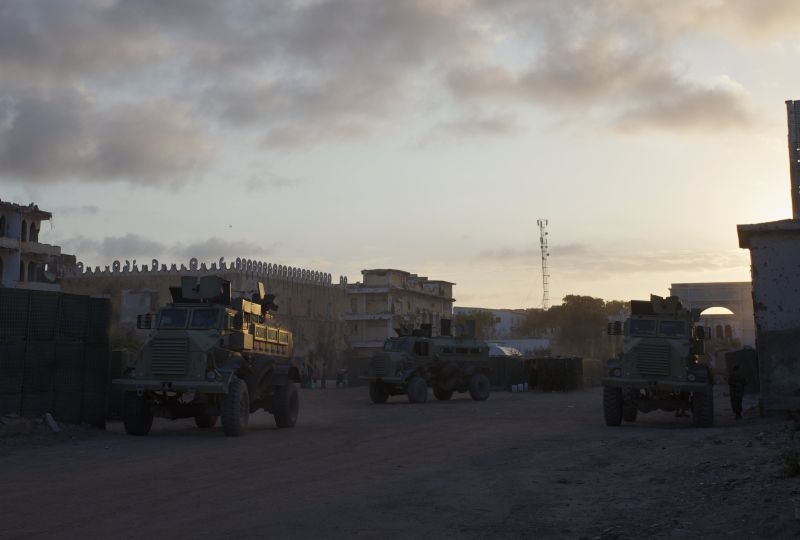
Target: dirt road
517,466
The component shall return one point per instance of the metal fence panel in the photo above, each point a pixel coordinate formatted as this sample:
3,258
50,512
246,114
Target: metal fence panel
73,315
13,313
42,315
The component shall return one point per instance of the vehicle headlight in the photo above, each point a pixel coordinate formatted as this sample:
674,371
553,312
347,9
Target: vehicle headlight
211,375
691,377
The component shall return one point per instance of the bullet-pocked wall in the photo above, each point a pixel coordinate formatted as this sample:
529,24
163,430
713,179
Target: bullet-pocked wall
310,304
775,267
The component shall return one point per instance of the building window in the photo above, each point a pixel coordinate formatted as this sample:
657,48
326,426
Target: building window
2,225
354,305
24,231
21,271
1,271
31,271
34,234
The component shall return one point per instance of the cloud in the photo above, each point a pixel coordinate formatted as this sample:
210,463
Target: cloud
49,137
478,125
132,246
213,248
144,91
85,210
270,181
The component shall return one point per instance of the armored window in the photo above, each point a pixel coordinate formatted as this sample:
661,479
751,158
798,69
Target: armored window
672,328
421,348
643,327
462,350
447,350
474,350
204,318
172,318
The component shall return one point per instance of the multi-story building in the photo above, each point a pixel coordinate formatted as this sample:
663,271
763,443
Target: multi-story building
389,299
24,261
507,323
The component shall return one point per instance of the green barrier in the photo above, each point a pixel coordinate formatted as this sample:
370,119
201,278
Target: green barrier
13,313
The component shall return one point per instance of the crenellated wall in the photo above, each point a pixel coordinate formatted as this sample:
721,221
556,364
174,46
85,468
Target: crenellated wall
309,303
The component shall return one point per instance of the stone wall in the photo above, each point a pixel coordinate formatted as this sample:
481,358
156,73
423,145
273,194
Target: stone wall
310,304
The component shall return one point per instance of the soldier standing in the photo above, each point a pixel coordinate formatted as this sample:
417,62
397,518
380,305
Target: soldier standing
736,382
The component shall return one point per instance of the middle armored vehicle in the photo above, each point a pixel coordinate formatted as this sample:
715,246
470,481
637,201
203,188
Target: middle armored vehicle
409,364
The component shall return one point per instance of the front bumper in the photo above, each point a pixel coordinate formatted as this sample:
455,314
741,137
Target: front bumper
156,385
666,385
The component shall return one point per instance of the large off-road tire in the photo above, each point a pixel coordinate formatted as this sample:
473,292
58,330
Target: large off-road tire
629,411
136,414
205,421
236,408
441,394
612,405
479,387
378,393
417,390
703,408
287,405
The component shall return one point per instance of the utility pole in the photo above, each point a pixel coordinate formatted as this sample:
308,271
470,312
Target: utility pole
545,271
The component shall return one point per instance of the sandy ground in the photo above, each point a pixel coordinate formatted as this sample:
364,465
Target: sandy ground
520,465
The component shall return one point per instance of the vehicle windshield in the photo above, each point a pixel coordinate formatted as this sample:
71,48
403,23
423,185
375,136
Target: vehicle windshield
672,328
204,318
643,327
396,345
172,318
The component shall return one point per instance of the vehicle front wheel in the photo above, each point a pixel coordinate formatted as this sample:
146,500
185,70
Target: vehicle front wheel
378,393
136,414
441,394
417,390
287,405
236,409
612,405
479,387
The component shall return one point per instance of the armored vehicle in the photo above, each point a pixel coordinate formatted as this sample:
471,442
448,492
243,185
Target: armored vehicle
661,365
412,362
211,356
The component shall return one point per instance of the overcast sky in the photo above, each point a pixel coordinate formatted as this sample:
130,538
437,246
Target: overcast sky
427,136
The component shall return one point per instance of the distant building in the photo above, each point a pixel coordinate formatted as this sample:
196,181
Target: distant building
25,262
734,296
507,322
389,299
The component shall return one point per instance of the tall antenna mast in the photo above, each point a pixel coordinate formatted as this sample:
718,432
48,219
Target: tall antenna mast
545,255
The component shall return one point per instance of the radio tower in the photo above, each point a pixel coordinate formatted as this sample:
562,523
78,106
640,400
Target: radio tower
545,255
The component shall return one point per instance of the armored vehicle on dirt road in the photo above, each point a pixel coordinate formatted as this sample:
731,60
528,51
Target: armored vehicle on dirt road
412,362
660,366
211,356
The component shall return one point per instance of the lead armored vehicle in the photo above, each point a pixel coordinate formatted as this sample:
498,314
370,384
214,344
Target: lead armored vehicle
210,356
661,366
412,362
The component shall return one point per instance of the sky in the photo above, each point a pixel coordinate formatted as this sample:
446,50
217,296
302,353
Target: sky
427,136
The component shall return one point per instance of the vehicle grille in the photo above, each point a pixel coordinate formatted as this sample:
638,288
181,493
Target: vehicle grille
381,366
169,356
653,359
